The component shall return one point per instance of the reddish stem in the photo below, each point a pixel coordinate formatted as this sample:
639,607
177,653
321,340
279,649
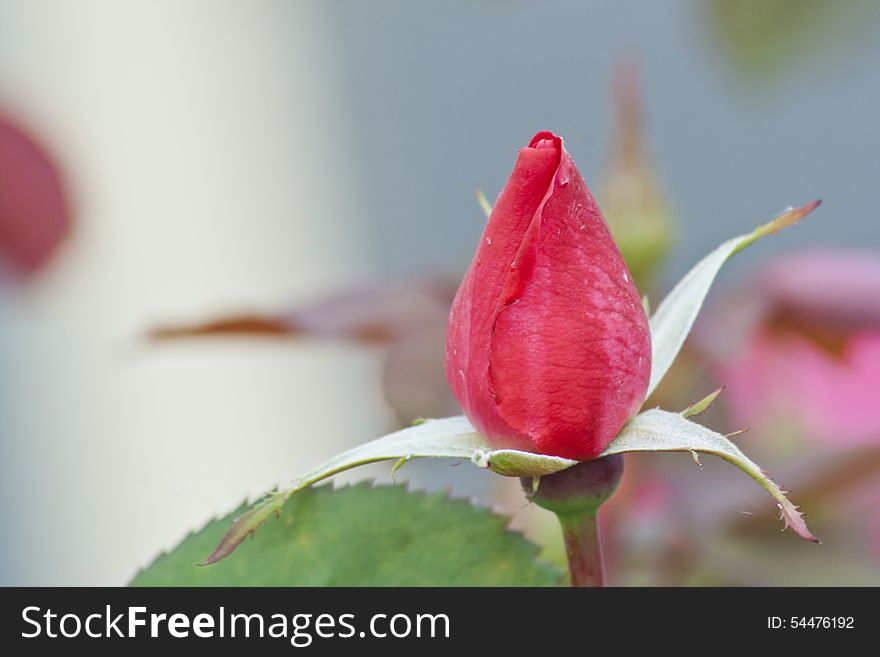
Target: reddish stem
575,495
583,547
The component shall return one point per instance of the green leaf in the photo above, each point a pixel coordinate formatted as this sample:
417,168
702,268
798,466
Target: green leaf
662,431
651,431
483,202
700,407
514,463
362,536
452,437
676,314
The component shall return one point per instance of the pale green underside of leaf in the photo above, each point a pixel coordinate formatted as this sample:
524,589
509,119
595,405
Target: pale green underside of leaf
654,430
662,431
675,316
651,431
363,536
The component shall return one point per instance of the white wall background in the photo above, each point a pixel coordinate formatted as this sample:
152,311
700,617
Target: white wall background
205,146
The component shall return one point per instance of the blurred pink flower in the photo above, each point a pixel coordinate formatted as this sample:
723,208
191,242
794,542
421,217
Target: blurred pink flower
34,212
651,498
799,346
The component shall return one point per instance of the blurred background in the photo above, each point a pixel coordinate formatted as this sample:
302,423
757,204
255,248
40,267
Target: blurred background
230,231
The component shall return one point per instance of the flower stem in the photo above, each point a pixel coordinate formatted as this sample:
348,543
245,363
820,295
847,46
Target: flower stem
583,547
575,495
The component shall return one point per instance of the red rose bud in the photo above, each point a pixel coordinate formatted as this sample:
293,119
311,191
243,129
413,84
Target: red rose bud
548,348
